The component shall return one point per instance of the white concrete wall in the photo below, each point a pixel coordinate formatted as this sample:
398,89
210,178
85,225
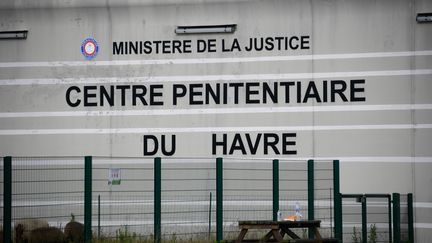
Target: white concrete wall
383,142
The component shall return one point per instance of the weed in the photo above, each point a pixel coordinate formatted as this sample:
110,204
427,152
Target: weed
355,236
372,234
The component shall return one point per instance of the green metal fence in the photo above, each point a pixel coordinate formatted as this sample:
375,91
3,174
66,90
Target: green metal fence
188,189
403,215
377,218
247,192
122,204
162,199
49,189
367,218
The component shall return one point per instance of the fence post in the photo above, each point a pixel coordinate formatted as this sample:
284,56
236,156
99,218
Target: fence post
99,227
390,218
209,216
219,199
311,199
7,199
87,198
396,218
410,218
157,200
275,189
337,201
364,218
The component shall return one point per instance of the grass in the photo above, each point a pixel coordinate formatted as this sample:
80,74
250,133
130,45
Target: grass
123,235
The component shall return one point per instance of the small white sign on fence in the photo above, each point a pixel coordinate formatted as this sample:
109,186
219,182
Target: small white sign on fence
114,177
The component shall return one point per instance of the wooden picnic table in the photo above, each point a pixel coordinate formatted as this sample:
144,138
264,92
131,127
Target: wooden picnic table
278,229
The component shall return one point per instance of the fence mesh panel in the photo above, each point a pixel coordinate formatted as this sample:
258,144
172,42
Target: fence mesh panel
378,220
52,189
188,198
247,193
126,203
1,187
48,189
351,218
293,189
323,195
404,217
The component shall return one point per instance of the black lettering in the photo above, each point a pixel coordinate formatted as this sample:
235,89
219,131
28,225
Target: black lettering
193,93
133,47
237,144
176,46
287,90
249,47
272,93
147,149
138,92
211,45
354,91
269,44
216,143
268,143
258,45
201,46
298,92
187,46
88,95
304,42
166,47
118,48
250,92
108,96
179,90
335,90
157,46
210,92
287,142
173,146
123,89
292,45
253,147
147,47
68,94
311,92
236,91
155,93
235,45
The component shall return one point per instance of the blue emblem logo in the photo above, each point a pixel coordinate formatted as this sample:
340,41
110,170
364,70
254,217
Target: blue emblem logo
89,48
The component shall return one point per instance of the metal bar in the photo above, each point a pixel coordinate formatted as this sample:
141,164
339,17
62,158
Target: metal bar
410,218
366,195
275,189
7,199
87,198
311,199
219,199
396,218
390,218
210,212
337,201
364,219
99,227
157,200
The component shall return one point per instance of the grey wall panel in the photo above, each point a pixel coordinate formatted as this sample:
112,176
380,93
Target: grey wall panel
383,142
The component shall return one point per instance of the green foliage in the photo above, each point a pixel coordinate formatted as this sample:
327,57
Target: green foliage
373,234
125,236
304,233
355,236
